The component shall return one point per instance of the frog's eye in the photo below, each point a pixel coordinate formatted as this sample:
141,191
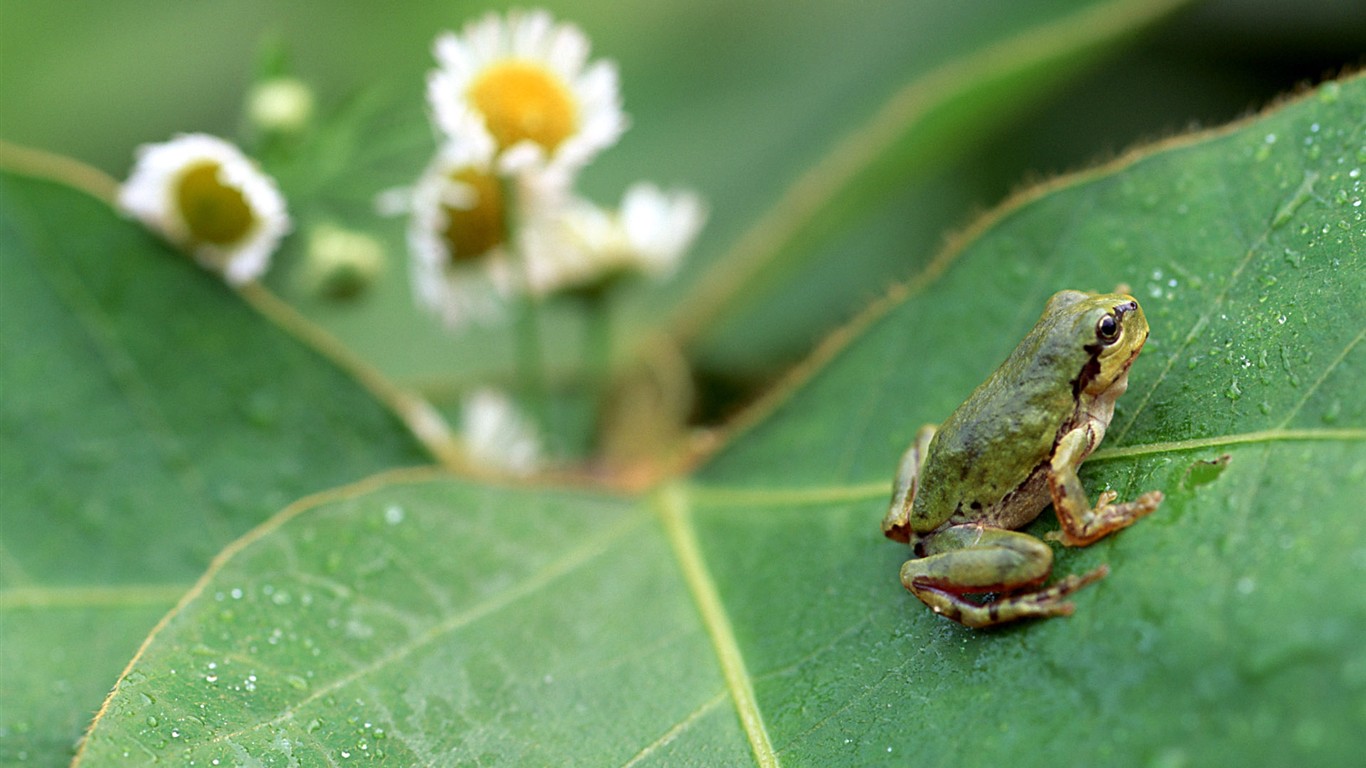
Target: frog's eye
1107,329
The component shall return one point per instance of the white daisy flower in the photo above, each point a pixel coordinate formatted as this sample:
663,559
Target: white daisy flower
497,435
458,237
586,245
524,84
202,194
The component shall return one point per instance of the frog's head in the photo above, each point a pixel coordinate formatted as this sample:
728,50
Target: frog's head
1111,329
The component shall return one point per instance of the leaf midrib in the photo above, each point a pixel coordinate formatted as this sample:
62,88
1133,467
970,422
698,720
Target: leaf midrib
676,514
826,494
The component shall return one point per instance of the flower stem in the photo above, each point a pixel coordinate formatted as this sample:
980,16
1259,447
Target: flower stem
597,348
531,367
529,364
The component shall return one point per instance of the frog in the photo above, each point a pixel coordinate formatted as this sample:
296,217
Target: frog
964,488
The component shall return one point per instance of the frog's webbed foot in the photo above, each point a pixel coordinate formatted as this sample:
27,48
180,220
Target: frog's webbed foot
897,522
970,559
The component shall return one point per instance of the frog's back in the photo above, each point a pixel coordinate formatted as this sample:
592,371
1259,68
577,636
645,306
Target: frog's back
997,438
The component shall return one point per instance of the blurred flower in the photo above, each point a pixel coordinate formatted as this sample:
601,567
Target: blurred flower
586,246
458,236
341,262
523,84
202,194
497,435
282,104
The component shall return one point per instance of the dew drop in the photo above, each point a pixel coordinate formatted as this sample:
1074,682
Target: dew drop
1331,415
1234,391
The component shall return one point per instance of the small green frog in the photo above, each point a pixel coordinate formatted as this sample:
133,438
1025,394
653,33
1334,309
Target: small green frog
1013,446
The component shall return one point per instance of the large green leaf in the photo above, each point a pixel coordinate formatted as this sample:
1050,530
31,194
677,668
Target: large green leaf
751,612
149,418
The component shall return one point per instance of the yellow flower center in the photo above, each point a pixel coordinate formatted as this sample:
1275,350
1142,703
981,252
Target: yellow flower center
474,231
213,212
522,101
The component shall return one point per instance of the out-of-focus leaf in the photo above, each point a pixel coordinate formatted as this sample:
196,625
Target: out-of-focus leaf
149,418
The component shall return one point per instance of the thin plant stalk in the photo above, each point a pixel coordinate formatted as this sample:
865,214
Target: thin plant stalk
597,347
528,360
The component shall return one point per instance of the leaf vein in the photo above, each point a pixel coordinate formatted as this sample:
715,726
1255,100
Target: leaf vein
677,729
1332,366
816,495
676,513
537,581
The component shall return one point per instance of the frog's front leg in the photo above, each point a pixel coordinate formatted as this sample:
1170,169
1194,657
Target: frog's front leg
1081,523
897,523
974,559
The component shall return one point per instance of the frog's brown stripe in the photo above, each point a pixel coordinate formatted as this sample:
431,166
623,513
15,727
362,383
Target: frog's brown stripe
1089,371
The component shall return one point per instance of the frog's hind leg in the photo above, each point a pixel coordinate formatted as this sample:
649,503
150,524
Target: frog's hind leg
973,559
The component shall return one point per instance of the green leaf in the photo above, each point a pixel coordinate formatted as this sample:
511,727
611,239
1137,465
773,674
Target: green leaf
149,418
751,611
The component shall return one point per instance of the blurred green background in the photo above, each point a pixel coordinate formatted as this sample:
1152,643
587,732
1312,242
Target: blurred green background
94,80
